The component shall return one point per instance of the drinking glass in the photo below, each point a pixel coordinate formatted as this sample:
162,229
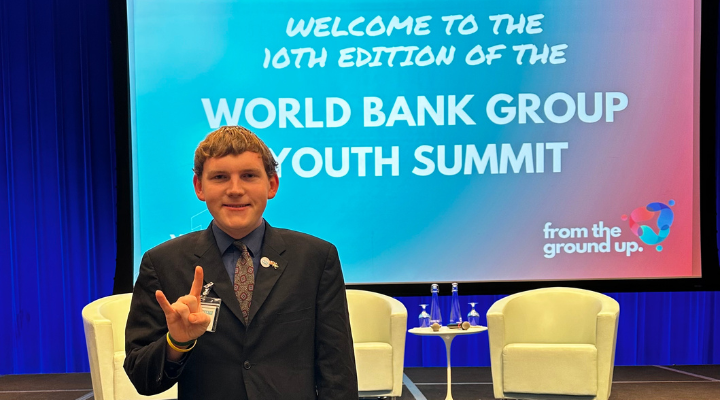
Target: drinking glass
473,316
424,317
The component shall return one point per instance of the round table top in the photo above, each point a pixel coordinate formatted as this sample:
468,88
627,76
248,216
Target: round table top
444,330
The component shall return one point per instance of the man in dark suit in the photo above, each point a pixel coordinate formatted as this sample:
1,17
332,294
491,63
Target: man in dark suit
283,330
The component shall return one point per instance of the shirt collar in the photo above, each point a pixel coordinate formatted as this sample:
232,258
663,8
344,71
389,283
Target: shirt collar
253,240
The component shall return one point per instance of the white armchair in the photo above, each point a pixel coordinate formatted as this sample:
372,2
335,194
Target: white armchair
553,341
104,320
379,325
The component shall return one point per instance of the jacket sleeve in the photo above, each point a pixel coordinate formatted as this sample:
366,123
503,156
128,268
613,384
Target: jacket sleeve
336,376
145,343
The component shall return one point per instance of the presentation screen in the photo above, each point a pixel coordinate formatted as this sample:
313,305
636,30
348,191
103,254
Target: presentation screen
436,141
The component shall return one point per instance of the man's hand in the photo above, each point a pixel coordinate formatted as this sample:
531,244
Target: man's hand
185,319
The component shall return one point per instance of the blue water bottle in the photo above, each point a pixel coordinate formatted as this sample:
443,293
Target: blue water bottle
455,315
435,306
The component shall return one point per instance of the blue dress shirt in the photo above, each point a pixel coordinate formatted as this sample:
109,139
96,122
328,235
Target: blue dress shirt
230,254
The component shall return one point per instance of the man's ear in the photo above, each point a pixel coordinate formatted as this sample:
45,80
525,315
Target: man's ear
274,185
197,183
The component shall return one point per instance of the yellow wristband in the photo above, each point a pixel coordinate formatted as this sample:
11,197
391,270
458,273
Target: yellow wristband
172,346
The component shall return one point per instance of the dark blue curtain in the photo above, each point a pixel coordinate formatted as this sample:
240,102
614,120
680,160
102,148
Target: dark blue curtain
57,198
57,211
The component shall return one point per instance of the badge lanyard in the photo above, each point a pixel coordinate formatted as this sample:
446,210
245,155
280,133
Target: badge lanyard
210,306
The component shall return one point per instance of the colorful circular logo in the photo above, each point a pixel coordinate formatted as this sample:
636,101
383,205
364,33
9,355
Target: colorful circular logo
646,233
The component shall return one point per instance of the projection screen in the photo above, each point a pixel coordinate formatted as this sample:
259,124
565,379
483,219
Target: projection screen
436,141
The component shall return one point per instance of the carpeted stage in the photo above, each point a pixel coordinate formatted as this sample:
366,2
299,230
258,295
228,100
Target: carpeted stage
696,382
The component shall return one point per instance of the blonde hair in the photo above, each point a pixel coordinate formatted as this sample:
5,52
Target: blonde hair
234,140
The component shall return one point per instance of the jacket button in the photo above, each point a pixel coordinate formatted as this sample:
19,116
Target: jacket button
246,365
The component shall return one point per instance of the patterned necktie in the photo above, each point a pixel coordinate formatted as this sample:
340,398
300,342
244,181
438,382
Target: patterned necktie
244,282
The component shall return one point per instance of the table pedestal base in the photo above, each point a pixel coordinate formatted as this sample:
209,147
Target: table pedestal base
448,342
447,336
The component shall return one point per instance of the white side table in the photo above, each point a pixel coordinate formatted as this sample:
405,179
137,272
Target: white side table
447,336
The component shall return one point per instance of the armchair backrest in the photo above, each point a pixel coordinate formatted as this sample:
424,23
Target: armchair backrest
369,316
116,310
560,315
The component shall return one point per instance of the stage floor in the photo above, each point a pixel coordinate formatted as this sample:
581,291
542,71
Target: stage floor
677,382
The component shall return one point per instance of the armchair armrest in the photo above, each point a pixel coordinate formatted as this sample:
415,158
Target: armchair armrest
607,325
496,336
101,350
398,327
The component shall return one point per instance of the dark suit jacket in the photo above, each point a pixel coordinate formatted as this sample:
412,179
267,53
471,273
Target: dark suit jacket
297,344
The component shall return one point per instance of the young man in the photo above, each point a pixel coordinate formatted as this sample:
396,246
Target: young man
283,330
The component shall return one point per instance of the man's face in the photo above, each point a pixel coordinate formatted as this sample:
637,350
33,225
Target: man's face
236,189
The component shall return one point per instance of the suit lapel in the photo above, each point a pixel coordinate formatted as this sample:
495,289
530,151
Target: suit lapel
273,248
210,259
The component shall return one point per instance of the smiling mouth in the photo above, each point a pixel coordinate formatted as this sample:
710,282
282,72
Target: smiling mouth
236,206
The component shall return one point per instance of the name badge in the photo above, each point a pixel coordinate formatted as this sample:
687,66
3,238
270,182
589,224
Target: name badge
211,307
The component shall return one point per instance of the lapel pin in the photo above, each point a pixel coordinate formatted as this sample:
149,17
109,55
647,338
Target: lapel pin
266,262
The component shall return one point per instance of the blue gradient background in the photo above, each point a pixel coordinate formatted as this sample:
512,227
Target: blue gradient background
438,228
